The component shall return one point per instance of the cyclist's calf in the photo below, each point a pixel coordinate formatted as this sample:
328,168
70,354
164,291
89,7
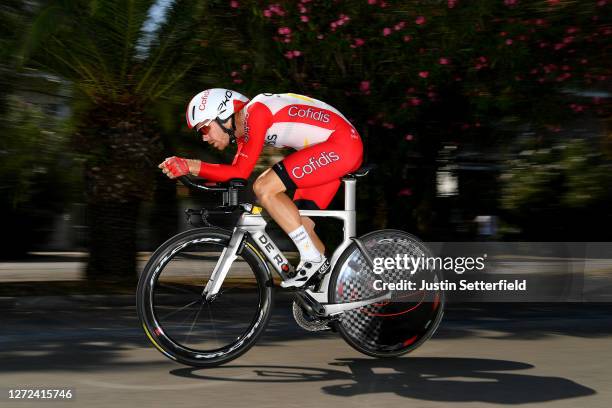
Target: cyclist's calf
309,226
308,223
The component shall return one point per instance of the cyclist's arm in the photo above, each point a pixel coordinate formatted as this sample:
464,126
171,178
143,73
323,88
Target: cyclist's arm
258,120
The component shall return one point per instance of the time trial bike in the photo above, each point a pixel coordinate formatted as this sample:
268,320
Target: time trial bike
206,295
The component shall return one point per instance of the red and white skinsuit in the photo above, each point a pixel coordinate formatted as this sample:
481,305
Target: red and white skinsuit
328,146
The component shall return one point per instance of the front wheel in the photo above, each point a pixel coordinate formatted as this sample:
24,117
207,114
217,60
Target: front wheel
395,326
177,318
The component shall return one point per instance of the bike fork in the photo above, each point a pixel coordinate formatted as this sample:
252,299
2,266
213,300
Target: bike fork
228,256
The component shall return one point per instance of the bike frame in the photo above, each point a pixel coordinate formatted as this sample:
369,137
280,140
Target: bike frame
254,225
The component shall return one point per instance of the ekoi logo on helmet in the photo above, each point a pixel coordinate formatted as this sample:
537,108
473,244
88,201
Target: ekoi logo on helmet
223,105
315,163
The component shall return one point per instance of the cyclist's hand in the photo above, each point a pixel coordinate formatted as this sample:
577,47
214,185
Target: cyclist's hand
174,167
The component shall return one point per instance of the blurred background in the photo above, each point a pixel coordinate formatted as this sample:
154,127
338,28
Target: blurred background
488,120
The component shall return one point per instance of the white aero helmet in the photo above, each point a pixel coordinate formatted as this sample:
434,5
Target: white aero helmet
214,104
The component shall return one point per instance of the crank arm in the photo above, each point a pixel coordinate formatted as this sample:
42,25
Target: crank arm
332,309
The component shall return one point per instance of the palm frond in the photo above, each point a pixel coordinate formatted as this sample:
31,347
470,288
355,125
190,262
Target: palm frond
91,43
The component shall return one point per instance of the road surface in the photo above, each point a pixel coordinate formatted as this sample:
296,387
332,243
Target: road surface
483,355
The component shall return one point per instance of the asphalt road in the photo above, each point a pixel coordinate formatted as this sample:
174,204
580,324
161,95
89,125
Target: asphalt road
483,355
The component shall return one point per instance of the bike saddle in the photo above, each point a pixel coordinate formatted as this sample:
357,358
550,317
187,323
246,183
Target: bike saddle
362,171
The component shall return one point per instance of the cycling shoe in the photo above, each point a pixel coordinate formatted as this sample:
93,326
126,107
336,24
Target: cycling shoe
304,271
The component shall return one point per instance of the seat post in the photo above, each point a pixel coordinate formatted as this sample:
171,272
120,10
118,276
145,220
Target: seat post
350,188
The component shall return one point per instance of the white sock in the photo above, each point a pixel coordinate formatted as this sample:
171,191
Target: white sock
301,239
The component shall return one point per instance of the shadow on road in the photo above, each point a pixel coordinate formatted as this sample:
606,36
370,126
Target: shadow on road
430,379
37,338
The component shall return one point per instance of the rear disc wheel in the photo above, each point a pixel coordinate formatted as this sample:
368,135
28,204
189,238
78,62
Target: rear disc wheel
392,327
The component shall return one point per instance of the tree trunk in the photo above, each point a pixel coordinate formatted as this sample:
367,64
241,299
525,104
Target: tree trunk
164,217
112,242
121,147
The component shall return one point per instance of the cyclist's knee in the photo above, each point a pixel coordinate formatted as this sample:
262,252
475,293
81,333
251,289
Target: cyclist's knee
259,187
266,185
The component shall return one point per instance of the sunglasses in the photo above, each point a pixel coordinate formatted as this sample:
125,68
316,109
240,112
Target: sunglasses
203,128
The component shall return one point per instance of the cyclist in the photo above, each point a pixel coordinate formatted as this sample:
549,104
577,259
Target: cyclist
327,147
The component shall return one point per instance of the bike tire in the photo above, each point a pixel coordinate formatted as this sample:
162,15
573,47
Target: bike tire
388,329
165,337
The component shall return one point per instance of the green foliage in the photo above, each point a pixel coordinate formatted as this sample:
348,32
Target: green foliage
532,181
387,63
104,47
125,57
551,181
37,175
12,19
588,176
412,76
34,158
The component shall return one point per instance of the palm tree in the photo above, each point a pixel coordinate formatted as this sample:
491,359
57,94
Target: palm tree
123,57
12,15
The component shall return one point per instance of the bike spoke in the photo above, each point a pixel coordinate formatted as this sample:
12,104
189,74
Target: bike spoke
212,322
178,288
174,314
182,308
181,323
194,321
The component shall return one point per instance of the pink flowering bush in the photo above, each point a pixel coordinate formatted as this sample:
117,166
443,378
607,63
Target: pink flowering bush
392,44
422,74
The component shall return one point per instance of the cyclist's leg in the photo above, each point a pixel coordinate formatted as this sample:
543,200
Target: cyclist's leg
270,192
314,166
309,225
315,171
315,198
320,164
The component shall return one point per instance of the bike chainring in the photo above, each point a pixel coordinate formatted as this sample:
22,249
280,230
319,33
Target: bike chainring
306,322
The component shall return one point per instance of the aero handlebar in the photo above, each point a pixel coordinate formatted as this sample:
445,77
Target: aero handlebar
228,188
188,182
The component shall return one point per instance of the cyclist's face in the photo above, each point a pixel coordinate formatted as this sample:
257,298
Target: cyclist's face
215,136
